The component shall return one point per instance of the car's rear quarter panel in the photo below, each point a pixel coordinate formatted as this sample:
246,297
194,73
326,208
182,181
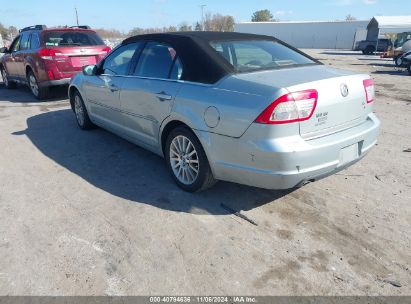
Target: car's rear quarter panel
238,102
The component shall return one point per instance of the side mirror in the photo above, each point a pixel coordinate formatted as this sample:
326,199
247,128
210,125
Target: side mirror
90,70
4,50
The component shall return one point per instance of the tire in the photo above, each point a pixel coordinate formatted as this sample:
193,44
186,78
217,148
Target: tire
369,50
398,61
37,91
80,111
7,83
409,69
187,161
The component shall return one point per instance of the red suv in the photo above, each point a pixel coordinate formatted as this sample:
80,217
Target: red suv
42,57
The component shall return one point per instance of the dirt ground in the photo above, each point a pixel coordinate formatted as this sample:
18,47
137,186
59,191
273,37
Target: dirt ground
87,213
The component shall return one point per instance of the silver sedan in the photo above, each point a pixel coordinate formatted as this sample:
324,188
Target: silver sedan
227,106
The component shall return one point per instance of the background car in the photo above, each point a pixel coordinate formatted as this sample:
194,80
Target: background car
405,61
369,47
42,57
227,106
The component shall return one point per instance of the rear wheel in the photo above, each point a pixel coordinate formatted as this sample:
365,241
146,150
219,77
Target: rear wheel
7,83
38,91
83,120
187,161
409,69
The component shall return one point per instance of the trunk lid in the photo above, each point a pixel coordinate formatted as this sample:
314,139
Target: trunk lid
334,112
341,104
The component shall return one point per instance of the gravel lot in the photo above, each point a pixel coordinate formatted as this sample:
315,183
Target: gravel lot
87,213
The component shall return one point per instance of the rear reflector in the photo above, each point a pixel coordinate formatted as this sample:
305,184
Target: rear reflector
292,107
369,90
50,74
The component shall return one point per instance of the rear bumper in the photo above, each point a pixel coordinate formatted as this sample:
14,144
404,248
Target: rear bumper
287,162
50,83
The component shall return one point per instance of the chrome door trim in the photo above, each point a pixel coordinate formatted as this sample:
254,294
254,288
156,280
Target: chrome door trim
121,111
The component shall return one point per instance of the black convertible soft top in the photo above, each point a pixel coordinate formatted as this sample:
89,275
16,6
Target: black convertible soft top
201,62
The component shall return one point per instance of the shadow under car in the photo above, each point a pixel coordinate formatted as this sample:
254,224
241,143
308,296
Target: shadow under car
129,172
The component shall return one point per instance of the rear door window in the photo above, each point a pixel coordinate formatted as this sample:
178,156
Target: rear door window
159,60
34,41
118,62
72,38
177,70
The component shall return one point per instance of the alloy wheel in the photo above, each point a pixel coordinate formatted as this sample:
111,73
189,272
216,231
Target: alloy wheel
33,85
4,76
184,160
79,110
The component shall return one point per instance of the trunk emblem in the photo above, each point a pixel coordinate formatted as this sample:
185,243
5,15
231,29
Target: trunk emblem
344,90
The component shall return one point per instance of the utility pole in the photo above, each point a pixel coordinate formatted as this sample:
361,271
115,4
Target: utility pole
76,16
202,17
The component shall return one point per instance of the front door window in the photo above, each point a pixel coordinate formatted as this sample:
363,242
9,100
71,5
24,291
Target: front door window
118,63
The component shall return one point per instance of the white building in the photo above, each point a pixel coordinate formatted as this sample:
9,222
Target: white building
310,34
380,25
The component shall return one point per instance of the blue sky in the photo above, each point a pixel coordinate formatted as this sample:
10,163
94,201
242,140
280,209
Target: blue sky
126,14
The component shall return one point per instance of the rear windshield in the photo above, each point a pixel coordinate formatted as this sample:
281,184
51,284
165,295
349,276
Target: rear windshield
247,56
72,38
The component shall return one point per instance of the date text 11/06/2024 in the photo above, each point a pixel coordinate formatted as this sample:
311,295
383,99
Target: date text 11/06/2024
203,299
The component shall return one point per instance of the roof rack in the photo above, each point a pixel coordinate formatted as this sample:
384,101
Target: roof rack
85,27
33,27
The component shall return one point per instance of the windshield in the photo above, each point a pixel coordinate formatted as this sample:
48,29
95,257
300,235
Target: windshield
247,56
402,39
72,38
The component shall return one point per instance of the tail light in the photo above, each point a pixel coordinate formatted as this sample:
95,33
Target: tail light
103,53
49,54
369,90
106,50
292,107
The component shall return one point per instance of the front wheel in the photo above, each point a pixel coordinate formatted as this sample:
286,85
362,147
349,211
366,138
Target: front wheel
369,50
38,91
409,69
83,120
187,161
7,83
398,61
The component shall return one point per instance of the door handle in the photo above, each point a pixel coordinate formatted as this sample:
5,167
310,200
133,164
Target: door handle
114,88
163,96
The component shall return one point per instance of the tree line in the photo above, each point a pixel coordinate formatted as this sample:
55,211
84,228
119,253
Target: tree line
211,22
8,32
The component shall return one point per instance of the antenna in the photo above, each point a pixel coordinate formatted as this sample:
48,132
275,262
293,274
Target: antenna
76,16
202,16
